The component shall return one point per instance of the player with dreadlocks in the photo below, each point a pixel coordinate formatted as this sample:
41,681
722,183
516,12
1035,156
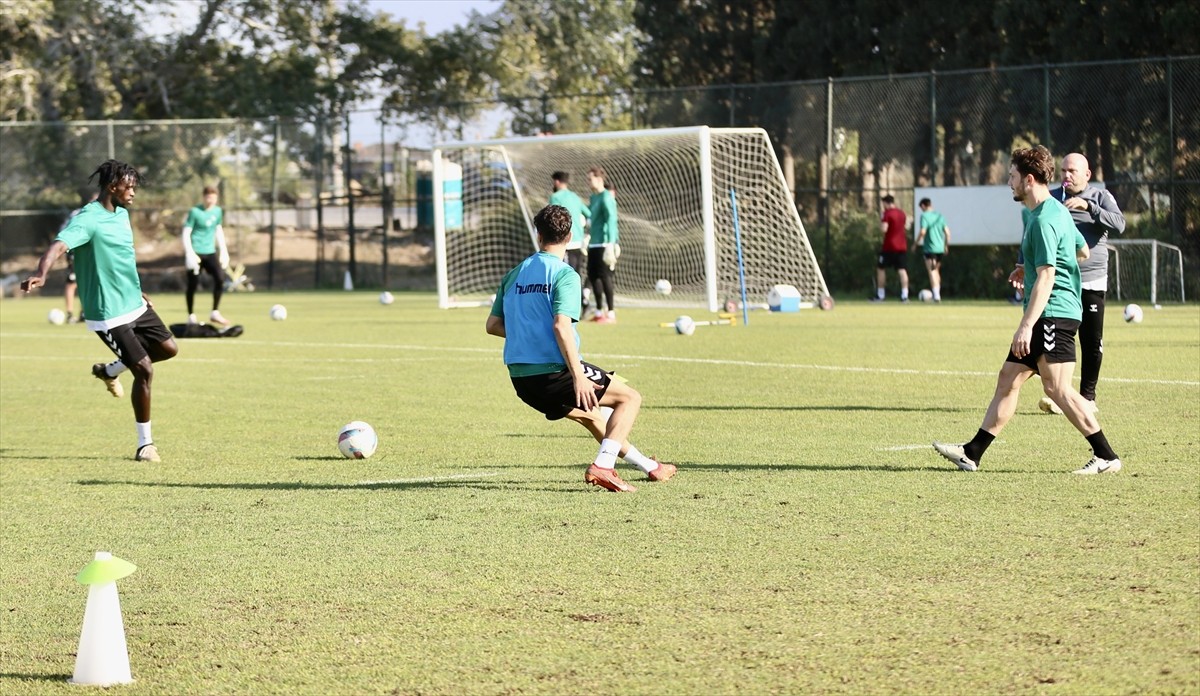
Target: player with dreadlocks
102,240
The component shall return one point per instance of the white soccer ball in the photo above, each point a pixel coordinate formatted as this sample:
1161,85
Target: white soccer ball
663,286
925,296
57,317
684,326
385,298
1133,314
357,440
279,312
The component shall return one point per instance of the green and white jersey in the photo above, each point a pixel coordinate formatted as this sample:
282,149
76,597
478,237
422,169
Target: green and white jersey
204,223
105,267
604,218
1051,239
935,232
574,205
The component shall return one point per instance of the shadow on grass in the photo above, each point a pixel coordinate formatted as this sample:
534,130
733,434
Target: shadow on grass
843,407
16,676
397,485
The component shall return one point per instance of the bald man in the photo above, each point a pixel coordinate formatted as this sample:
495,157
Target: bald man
1096,215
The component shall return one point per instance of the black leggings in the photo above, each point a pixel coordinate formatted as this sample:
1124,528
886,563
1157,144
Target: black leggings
208,262
601,278
1091,342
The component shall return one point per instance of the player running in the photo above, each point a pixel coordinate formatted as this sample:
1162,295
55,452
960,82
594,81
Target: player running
535,312
111,292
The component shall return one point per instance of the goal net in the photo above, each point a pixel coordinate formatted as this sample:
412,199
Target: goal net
1145,269
675,214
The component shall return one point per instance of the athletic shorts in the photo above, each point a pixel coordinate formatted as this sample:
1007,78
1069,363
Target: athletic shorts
129,342
577,261
933,257
553,393
893,259
1054,338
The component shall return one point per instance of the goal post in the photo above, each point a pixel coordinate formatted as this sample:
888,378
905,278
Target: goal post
674,213
1145,269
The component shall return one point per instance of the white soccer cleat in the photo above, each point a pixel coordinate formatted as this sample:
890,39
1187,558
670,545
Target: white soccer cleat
956,454
216,318
147,453
1096,465
192,319
1047,405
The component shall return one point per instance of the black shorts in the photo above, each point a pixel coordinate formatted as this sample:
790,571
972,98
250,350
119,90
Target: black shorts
893,259
1052,337
554,393
129,342
933,257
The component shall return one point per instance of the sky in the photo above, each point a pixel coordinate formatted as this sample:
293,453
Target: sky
438,15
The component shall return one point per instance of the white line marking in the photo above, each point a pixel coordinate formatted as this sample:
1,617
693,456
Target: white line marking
659,358
430,479
904,448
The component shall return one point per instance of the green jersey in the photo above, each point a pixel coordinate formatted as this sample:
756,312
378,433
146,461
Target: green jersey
1051,239
105,267
935,232
204,224
574,205
604,218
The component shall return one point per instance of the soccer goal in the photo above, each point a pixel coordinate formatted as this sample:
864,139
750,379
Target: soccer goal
674,213
1145,269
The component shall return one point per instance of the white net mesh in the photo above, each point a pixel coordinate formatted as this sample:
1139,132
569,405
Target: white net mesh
1145,269
659,186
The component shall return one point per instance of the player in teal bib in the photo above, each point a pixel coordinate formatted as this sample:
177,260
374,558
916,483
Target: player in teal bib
934,239
564,196
204,248
535,311
102,241
1044,343
603,247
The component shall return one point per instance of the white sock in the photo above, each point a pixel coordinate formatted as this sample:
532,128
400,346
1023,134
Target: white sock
612,314
937,293
607,457
641,461
904,293
143,431
879,293
114,368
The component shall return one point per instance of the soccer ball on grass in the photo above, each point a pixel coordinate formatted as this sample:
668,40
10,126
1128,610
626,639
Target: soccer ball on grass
684,326
925,295
357,440
1133,314
57,317
663,286
279,312
385,298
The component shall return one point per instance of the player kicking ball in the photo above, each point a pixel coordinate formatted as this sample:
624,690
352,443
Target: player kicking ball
111,292
535,312
1044,343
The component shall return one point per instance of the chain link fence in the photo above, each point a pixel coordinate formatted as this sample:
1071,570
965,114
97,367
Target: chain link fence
309,202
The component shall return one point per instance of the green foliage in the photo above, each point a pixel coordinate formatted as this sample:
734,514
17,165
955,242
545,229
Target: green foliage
811,543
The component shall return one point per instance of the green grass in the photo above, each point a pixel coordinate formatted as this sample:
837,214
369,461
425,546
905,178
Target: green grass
812,542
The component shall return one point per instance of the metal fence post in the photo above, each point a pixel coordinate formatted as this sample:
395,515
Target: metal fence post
319,162
1046,104
274,197
933,128
347,165
828,164
385,191
1176,234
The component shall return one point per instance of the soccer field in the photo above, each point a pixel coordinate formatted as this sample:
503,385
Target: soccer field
811,542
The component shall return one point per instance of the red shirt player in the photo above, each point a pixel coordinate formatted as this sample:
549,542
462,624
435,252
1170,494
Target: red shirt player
894,252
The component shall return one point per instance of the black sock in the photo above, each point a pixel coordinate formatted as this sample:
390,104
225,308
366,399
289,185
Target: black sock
978,445
1100,446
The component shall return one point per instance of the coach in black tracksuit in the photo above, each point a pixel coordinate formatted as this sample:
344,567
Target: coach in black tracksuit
1096,215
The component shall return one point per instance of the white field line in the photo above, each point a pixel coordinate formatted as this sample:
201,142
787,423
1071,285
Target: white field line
625,356
905,448
430,479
